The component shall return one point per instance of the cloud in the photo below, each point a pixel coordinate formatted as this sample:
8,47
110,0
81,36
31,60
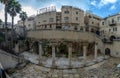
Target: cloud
112,7
33,5
2,17
94,3
105,2
29,10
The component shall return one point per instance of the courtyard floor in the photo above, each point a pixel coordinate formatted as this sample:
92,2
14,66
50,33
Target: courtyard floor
105,69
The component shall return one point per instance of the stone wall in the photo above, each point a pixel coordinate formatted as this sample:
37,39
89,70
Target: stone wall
61,34
114,48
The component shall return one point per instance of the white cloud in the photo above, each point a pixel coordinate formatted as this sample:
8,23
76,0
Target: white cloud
2,14
28,9
112,7
105,2
93,3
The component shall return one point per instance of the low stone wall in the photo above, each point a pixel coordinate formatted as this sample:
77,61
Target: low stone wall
61,34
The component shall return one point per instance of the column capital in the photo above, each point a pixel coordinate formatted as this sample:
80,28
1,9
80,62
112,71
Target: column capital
52,43
69,44
96,43
40,42
85,43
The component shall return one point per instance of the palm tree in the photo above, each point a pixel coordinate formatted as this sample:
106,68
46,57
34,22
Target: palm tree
13,8
0,21
5,9
23,17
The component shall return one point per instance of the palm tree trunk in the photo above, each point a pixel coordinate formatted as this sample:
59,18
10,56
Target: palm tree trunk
6,37
12,36
24,29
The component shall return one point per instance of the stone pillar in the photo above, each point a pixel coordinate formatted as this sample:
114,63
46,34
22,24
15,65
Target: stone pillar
84,51
95,54
17,49
53,55
40,52
70,54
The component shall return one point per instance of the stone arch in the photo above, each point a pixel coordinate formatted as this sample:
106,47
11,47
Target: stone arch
99,51
107,51
27,45
112,37
92,30
63,49
36,47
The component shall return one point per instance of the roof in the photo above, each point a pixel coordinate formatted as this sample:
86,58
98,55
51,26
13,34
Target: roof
112,15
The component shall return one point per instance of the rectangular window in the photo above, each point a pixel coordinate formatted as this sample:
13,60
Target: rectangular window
76,12
102,23
76,18
44,20
66,12
58,27
45,26
118,19
50,26
66,18
115,29
51,19
75,28
113,21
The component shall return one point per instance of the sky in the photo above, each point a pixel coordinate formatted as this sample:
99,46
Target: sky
102,8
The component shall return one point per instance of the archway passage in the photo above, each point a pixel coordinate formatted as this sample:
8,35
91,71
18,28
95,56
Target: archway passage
35,47
112,37
27,46
107,51
63,50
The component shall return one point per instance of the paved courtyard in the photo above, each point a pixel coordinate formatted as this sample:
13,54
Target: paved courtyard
105,69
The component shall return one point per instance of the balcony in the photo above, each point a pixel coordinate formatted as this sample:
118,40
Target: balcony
113,23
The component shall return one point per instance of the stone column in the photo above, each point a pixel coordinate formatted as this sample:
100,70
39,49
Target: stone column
17,48
84,51
53,55
40,52
95,54
70,54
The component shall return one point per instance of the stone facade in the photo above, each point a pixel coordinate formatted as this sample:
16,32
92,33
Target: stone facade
110,26
73,24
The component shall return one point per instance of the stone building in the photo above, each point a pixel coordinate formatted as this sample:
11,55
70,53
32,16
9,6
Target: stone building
64,33
74,29
69,18
110,26
93,22
29,23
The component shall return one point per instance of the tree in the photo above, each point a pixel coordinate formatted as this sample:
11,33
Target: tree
5,9
23,17
0,21
13,8
1,34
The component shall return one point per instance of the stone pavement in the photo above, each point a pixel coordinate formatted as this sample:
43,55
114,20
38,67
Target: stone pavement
62,62
105,70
